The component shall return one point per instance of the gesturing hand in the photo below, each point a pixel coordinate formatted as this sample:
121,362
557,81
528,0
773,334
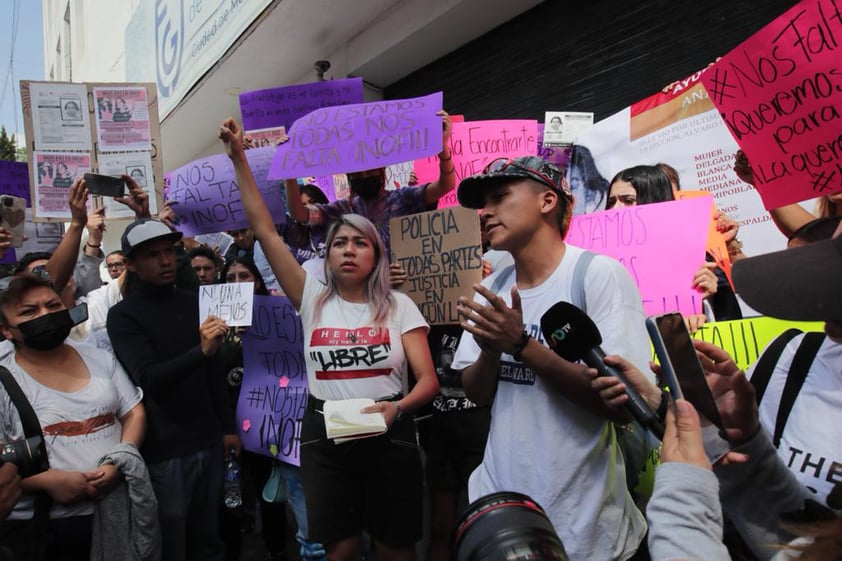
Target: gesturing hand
496,327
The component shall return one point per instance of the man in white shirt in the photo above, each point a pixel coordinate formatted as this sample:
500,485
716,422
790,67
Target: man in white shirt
551,437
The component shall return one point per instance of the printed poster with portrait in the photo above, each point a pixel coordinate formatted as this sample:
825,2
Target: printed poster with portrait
122,119
138,166
60,116
54,174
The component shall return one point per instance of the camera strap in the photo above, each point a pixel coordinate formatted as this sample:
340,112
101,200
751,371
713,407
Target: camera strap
28,418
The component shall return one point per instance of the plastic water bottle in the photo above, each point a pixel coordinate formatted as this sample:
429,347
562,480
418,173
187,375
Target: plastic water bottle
233,490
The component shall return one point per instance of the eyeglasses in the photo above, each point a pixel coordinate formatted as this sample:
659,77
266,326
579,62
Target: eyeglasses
543,172
118,265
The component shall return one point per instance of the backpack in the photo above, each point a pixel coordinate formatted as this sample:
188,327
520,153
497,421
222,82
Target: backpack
798,370
631,437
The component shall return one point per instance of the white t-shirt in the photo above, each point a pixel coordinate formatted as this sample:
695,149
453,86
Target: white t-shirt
347,356
811,443
541,444
79,427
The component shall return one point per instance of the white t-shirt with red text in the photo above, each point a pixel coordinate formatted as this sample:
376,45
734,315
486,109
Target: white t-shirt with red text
347,355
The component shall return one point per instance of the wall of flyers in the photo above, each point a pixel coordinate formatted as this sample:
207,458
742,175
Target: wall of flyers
111,129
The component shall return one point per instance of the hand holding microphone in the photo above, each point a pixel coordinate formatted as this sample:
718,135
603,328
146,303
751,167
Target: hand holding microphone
573,336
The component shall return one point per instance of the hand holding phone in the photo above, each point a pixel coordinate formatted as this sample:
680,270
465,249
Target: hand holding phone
105,185
683,376
13,217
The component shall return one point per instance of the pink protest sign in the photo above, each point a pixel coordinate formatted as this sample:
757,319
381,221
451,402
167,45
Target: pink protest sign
779,93
273,394
359,137
662,245
207,196
474,144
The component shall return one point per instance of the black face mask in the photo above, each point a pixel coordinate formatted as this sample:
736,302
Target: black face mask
50,330
366,187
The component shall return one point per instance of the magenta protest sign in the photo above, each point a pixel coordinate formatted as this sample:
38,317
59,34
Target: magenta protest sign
273,395
358,137
207,196
281,107
474,144
779,94
662,245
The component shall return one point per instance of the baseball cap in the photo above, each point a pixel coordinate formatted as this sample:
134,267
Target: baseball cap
802,283
470,192
146,230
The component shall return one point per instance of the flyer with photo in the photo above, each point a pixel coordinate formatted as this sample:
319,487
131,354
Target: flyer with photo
54,174
122,119
266,137
60,116
138,166
561,128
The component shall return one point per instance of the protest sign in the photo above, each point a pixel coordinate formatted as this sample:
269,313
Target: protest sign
745,339
779,93
59,113
475,143
261,138
441,253
282,106
397,175
561,128
716,245
558,155
359,137
14,180
54,173
38,236
682,128
122,119
138,166
230,302
207,196
273,395
662,245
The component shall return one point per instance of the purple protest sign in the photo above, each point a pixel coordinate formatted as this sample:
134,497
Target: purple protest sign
273,395
207,196
558,155
14,180
358,137
281,107
662,245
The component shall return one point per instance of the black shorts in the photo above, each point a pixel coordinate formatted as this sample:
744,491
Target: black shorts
454,444
372,484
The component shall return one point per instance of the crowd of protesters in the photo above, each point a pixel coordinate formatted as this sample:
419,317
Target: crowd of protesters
135,398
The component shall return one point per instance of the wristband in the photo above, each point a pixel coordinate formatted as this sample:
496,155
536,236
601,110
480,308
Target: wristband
524,340
89,244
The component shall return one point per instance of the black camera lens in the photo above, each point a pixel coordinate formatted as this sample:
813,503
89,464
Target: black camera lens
506,527
8,201
29,454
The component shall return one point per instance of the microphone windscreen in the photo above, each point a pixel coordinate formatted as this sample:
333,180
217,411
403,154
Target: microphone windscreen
569,331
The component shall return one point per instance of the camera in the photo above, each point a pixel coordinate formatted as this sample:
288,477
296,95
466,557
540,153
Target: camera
8,201
506,526
28,454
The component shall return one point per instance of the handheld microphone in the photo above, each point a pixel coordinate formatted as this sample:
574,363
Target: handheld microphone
573,336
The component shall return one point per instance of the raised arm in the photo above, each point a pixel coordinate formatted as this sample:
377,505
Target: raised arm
60,266
297,209
447,169
287,270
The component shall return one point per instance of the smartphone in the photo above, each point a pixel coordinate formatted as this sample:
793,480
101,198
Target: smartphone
13,217
105,185
682,374
79,313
